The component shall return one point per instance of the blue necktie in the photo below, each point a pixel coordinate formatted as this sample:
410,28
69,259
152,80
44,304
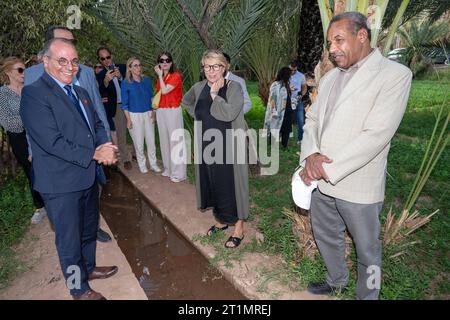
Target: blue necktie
100,175
76,103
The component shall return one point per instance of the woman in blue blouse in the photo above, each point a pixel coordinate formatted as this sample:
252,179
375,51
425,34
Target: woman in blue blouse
137,96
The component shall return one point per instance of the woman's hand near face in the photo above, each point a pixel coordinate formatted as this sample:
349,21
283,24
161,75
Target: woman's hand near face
158,71
217,85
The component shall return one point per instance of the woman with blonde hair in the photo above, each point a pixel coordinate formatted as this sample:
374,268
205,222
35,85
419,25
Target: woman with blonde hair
223,186
12,78
137,96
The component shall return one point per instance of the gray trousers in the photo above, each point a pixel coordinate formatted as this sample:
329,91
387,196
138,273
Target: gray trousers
121,131
329,218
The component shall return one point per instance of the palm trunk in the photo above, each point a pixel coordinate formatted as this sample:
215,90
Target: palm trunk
394,26
310,37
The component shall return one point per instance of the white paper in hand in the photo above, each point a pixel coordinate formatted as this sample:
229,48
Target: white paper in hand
301,193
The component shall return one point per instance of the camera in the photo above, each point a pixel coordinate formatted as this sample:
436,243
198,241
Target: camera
111,66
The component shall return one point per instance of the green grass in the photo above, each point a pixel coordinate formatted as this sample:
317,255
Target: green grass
438,75
15,212
423,273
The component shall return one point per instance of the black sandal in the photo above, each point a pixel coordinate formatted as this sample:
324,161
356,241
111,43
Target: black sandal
235,240
215,229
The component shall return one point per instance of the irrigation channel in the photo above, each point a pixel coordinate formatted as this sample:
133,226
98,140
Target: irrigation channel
166,264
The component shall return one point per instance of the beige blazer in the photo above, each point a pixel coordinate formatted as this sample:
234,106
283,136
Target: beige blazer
357,139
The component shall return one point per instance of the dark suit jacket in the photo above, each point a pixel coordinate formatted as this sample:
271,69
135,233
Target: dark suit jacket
62,144
110,91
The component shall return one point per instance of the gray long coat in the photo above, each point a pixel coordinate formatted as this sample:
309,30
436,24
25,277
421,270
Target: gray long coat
229,110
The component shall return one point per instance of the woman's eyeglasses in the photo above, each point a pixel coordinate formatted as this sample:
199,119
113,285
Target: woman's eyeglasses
215,67
20,70
105,58
165,60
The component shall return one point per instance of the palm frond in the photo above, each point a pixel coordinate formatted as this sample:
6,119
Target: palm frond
239,26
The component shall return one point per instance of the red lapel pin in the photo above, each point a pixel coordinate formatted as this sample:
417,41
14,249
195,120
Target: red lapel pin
85,102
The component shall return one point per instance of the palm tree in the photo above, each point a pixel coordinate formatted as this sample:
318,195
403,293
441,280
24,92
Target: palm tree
272,45
421,38
184,27
187,27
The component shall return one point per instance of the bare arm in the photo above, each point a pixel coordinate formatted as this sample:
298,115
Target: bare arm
165,88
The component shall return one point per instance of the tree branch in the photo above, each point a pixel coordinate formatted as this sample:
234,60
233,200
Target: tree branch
199,28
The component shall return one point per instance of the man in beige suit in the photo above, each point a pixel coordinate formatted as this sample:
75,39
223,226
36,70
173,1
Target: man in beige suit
346,142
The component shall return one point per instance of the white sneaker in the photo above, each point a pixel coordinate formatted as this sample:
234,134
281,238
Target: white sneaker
177,180
155,168
38,215
144,170
165,174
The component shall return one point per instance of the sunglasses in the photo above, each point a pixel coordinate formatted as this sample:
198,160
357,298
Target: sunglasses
165,60
99,66
105,58
20,70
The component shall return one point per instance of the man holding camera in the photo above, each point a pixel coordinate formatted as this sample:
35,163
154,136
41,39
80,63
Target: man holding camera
109,82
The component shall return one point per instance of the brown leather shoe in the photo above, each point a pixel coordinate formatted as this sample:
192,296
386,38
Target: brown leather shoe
127,165
103,272
89,295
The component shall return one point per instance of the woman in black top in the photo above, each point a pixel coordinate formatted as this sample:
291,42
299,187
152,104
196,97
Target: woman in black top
221,176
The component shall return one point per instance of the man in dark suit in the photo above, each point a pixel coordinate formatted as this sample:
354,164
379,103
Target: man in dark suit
109,82
85,78
68,142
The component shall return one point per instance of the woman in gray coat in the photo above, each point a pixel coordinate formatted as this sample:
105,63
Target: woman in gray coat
220,153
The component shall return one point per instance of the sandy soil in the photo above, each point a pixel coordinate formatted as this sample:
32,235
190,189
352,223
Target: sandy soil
43,280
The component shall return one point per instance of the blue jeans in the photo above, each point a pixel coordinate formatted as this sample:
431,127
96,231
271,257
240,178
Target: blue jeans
300,117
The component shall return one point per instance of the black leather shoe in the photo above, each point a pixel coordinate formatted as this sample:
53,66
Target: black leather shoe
103,236
324,288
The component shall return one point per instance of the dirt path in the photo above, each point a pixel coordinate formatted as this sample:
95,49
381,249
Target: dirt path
43,279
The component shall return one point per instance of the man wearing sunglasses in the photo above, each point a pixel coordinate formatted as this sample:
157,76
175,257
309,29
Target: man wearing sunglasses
109,81
84,78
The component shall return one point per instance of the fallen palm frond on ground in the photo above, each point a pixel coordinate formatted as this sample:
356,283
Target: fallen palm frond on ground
301,227
397,229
